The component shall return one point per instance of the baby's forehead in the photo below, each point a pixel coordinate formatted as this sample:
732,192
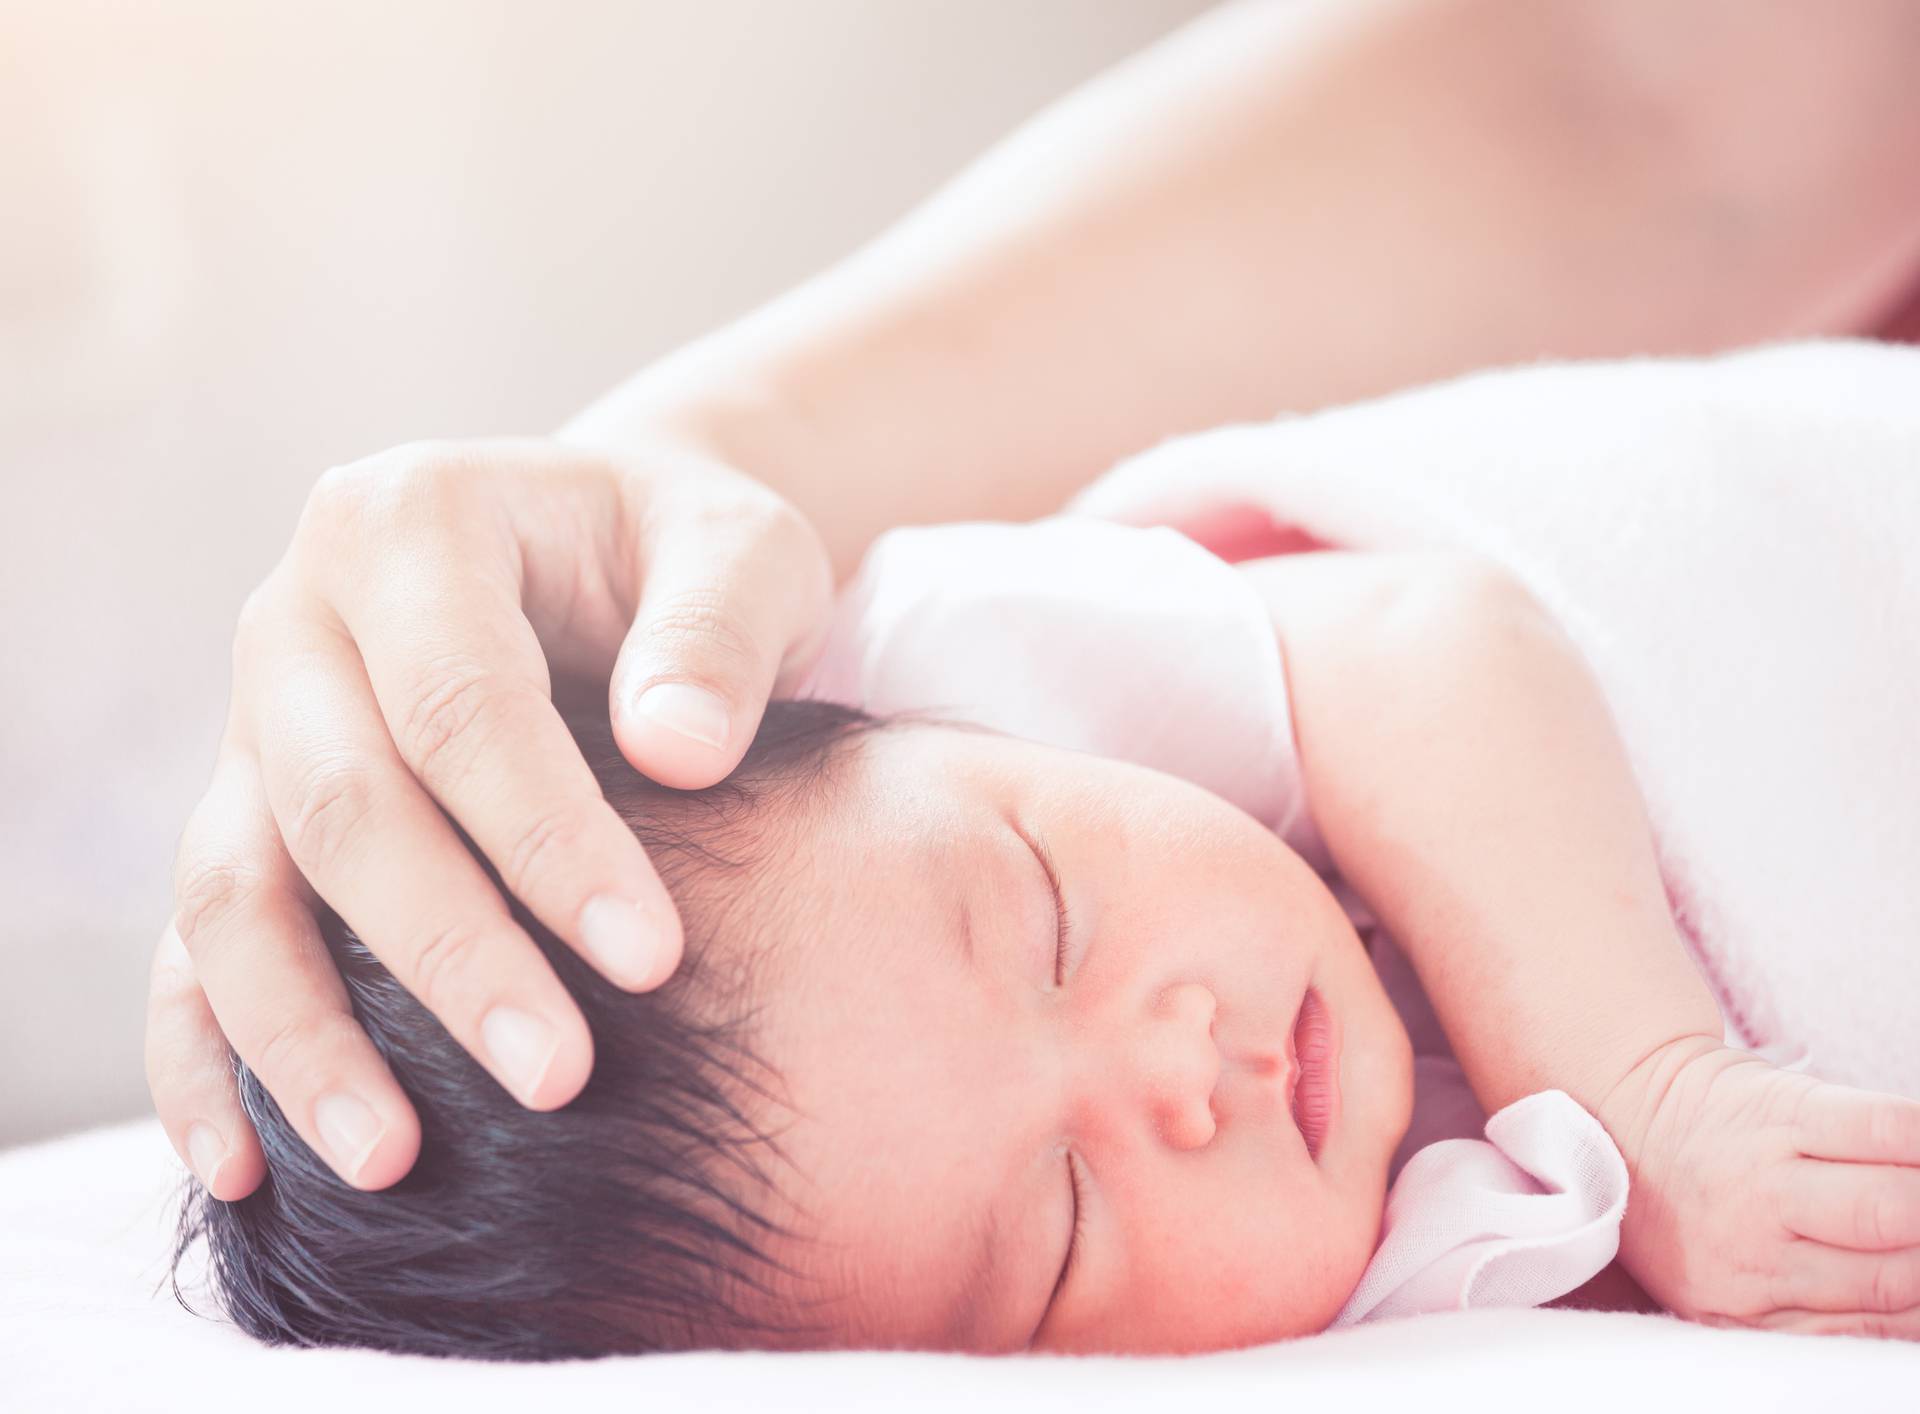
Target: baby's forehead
873,866
946,740
913,774
877,849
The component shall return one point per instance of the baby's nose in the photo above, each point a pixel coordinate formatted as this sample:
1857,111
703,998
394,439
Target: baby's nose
1181,1064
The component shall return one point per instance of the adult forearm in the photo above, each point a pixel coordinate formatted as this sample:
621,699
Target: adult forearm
1470,783
1285,206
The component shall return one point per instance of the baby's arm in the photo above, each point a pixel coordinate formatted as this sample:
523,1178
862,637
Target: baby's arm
1464,769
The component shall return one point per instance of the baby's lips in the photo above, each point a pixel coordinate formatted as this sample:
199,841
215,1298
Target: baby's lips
1315,1102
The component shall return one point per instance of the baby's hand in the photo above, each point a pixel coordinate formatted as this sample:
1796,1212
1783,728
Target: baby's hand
1762,1197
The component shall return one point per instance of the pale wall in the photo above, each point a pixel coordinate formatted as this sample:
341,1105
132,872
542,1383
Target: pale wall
242,241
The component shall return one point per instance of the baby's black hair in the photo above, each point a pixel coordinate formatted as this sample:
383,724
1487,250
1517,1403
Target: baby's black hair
632,1219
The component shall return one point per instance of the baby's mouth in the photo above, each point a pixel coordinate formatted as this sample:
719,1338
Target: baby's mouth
1314,1050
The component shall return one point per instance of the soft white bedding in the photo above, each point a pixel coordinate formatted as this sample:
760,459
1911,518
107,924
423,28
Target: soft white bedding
88,1323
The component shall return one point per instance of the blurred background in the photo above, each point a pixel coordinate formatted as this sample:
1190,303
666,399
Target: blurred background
242,240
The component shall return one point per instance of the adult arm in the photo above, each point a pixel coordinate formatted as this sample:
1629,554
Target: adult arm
1290,205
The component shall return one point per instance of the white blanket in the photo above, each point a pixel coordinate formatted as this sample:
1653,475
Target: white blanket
87,1324
1734,543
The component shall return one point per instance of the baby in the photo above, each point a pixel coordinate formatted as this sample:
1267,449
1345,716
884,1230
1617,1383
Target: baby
989,1045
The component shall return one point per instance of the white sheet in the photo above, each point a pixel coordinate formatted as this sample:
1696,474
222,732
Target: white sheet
83,1242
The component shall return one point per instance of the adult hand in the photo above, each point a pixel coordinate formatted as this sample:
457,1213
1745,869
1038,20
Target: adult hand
399,662
1763,1197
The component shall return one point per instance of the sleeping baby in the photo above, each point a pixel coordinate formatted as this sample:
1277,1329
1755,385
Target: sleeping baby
1034,1000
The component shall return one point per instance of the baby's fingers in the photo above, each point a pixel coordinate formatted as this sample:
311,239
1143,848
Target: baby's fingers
1822,1278
1858,1126
1899,1325
1867,1207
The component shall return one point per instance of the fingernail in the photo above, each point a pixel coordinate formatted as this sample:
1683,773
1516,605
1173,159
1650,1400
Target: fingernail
691,711
350,1129
615,933
521,1047
206,1151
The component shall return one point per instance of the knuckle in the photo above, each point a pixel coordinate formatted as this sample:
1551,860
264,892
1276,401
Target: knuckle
1802,1119
254,617
289,1049
444,710
783,527
1892,1288
1737,1289
458,709
162,1078
208,896
430,478
440,960
326,810
427,479
699,624
1873,1220
766,529
541,847
1879,1128
807,567
162,1048
339,496
171,972
258,627
166,1086
384,487
1891,1128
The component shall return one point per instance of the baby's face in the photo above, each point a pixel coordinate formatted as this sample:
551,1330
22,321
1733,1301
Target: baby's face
952,1085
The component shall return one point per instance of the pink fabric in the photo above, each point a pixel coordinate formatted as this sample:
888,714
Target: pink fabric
1525,1216
1140,645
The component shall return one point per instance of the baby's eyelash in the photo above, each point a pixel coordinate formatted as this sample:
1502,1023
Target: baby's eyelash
1062,920
1073,1241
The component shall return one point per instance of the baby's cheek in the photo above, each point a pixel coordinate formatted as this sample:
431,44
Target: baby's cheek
1266,1261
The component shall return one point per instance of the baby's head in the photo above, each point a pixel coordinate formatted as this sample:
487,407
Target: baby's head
887,1090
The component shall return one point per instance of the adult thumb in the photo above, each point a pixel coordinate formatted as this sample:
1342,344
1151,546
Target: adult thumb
727,600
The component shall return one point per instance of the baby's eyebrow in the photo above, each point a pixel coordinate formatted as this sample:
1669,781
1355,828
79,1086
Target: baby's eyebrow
963,934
